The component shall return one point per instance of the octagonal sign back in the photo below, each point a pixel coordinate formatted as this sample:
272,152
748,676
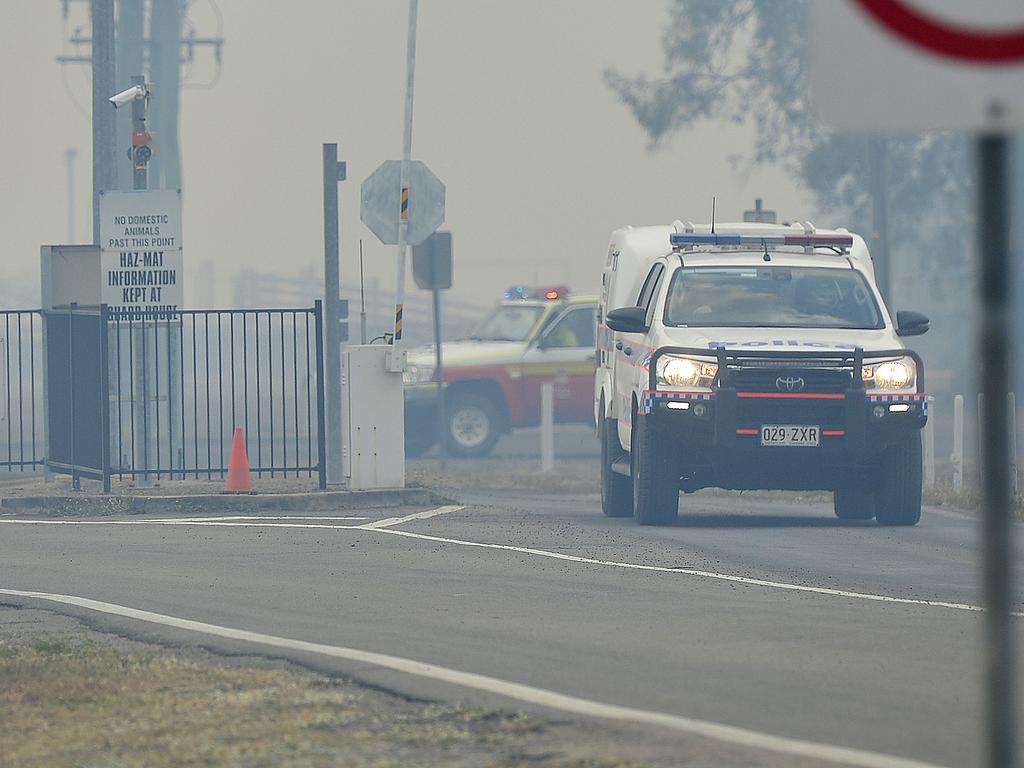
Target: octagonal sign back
381,200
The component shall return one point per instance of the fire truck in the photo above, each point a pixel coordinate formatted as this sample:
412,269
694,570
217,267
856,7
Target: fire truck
493,378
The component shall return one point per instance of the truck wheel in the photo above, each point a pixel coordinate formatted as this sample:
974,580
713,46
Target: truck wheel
898,501
616,489
655,479
473,425
853,503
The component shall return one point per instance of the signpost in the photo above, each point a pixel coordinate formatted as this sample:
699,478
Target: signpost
432,271
954,66
141,282
412,197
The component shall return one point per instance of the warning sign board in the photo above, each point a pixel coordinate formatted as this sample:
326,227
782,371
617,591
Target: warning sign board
384,202
903,65
140,253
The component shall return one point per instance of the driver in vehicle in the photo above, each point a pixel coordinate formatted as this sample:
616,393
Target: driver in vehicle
818,296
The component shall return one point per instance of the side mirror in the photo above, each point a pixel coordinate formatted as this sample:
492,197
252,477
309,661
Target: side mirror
911,323
627,320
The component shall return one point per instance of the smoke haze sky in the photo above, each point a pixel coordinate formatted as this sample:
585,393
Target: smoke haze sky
540,160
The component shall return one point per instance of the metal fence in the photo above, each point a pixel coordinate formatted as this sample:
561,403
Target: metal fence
180,384
169,395
21,402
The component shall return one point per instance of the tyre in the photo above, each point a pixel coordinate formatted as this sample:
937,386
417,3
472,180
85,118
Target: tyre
616,489
655,477
898,501
852,503
474,425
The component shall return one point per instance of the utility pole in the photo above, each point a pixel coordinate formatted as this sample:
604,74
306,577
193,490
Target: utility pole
164,54
877,158
131,24
334,172
69,157
104,171
165,68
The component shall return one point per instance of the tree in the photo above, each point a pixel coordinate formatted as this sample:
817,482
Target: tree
745,61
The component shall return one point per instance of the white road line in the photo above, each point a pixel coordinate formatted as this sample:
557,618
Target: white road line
539,696
390,521
200,523
386,526
694,572
250,517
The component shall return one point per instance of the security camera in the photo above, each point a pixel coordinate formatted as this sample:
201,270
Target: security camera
127,97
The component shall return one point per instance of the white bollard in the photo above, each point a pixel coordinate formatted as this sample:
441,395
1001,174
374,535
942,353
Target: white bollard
547,427
1011,408
957,457
929,444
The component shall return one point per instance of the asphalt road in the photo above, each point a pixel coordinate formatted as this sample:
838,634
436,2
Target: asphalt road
769,616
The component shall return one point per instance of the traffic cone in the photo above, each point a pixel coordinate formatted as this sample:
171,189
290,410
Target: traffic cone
238,468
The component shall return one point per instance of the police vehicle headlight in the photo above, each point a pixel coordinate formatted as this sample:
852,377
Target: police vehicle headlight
891,376
418,374
674,371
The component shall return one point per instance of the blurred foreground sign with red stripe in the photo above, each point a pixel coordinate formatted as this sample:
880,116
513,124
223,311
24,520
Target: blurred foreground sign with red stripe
913,65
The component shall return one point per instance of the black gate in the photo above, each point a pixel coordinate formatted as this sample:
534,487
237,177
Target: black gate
180,384
76,397
21,381
159,395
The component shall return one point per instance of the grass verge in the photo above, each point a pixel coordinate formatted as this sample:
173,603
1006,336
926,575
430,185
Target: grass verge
79,704
570,476
967,499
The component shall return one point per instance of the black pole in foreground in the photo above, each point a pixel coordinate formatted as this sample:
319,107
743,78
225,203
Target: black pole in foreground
994,247
334,172
442,417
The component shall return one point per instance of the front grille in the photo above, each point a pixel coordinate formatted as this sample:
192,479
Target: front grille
816,380
753,412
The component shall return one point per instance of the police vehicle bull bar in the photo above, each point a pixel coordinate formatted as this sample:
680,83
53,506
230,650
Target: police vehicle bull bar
853,394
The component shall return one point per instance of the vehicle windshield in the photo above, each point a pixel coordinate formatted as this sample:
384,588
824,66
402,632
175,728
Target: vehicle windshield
510,322
770,296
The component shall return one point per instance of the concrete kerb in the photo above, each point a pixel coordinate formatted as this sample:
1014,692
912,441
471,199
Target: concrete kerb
323,501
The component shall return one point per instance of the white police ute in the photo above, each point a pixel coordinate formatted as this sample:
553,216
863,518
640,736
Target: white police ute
754,356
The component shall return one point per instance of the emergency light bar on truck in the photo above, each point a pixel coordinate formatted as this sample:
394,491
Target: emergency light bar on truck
682,239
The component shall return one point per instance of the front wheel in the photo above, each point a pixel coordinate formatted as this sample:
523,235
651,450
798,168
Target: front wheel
655,477
853,503
898,501
473,425
616,489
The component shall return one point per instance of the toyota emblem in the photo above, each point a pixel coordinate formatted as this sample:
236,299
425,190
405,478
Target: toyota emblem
789,384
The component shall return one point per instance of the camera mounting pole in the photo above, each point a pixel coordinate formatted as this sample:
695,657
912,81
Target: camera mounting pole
140,151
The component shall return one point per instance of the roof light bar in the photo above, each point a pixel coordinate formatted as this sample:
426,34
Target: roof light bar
689,238
718,238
